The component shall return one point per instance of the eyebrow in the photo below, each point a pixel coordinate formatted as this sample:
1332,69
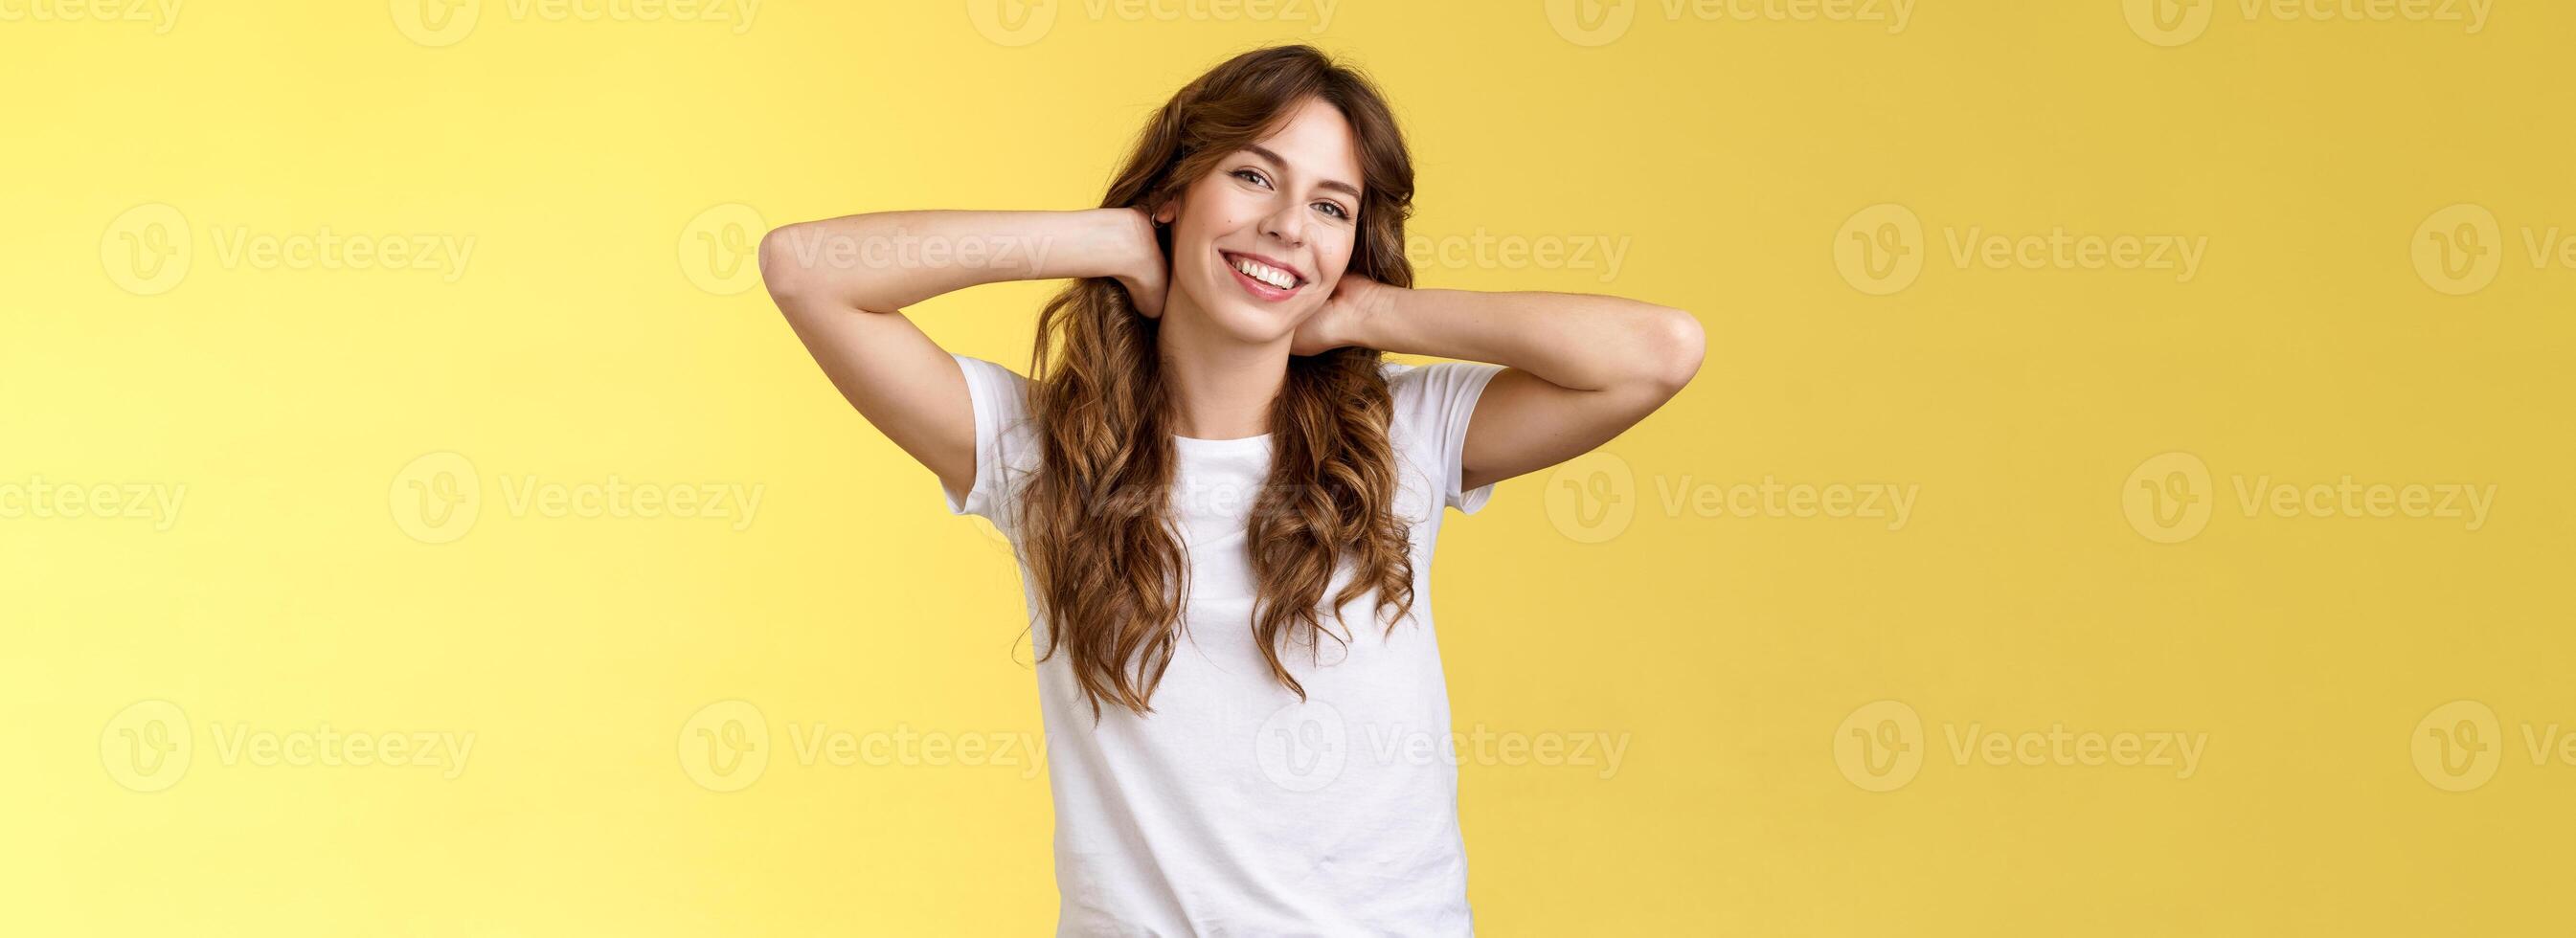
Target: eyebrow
1336,184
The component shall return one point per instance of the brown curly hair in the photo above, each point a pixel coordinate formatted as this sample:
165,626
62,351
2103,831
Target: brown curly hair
1095,521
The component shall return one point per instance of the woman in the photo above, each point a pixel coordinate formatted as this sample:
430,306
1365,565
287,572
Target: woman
1224,502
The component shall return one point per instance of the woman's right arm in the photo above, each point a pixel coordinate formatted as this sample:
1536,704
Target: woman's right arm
843,284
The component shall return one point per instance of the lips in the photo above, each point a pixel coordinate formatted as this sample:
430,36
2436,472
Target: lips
1263,277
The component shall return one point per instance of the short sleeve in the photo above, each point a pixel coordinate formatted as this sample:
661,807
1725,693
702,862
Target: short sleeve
1433,403
1004,441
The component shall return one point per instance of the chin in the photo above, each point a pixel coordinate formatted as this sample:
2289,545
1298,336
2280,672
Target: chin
1256,325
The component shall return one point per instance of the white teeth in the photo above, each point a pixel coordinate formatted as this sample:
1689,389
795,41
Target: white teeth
1265,273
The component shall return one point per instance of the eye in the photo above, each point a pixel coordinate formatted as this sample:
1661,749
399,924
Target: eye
1254,176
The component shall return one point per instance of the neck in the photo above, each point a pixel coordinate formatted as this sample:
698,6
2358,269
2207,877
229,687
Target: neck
1222,389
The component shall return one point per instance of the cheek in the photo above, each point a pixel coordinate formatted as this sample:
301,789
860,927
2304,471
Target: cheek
1195,237
1336,257
1214,207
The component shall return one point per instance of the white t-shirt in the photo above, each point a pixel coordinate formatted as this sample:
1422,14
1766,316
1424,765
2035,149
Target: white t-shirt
1233,809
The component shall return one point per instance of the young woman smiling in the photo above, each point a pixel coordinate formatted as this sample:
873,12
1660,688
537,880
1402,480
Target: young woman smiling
1224,501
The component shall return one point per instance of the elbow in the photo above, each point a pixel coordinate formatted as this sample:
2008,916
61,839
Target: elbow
785,279
1676,346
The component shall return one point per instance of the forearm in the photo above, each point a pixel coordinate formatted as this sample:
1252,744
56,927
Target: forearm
885,261
1580,342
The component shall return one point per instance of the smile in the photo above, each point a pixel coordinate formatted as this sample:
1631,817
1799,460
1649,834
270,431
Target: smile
1262,279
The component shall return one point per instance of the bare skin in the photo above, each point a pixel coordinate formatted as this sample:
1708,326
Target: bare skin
1578,369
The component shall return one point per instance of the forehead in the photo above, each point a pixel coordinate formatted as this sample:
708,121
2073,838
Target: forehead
1317,144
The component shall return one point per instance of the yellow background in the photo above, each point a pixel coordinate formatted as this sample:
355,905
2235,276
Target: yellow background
583,340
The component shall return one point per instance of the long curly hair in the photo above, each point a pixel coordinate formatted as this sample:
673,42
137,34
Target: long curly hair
1096,524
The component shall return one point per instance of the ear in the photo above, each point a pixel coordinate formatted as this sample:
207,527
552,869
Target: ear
1167,212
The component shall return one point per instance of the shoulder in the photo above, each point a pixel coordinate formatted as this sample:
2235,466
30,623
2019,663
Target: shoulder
1000,395
981,374
1438,393
1433,405
1006,451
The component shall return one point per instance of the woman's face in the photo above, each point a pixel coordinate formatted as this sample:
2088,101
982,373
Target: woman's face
1258,244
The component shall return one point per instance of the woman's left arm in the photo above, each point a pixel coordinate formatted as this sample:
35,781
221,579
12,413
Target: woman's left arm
1578,368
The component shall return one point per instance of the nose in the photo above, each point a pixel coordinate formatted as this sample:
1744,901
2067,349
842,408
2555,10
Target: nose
1288,224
